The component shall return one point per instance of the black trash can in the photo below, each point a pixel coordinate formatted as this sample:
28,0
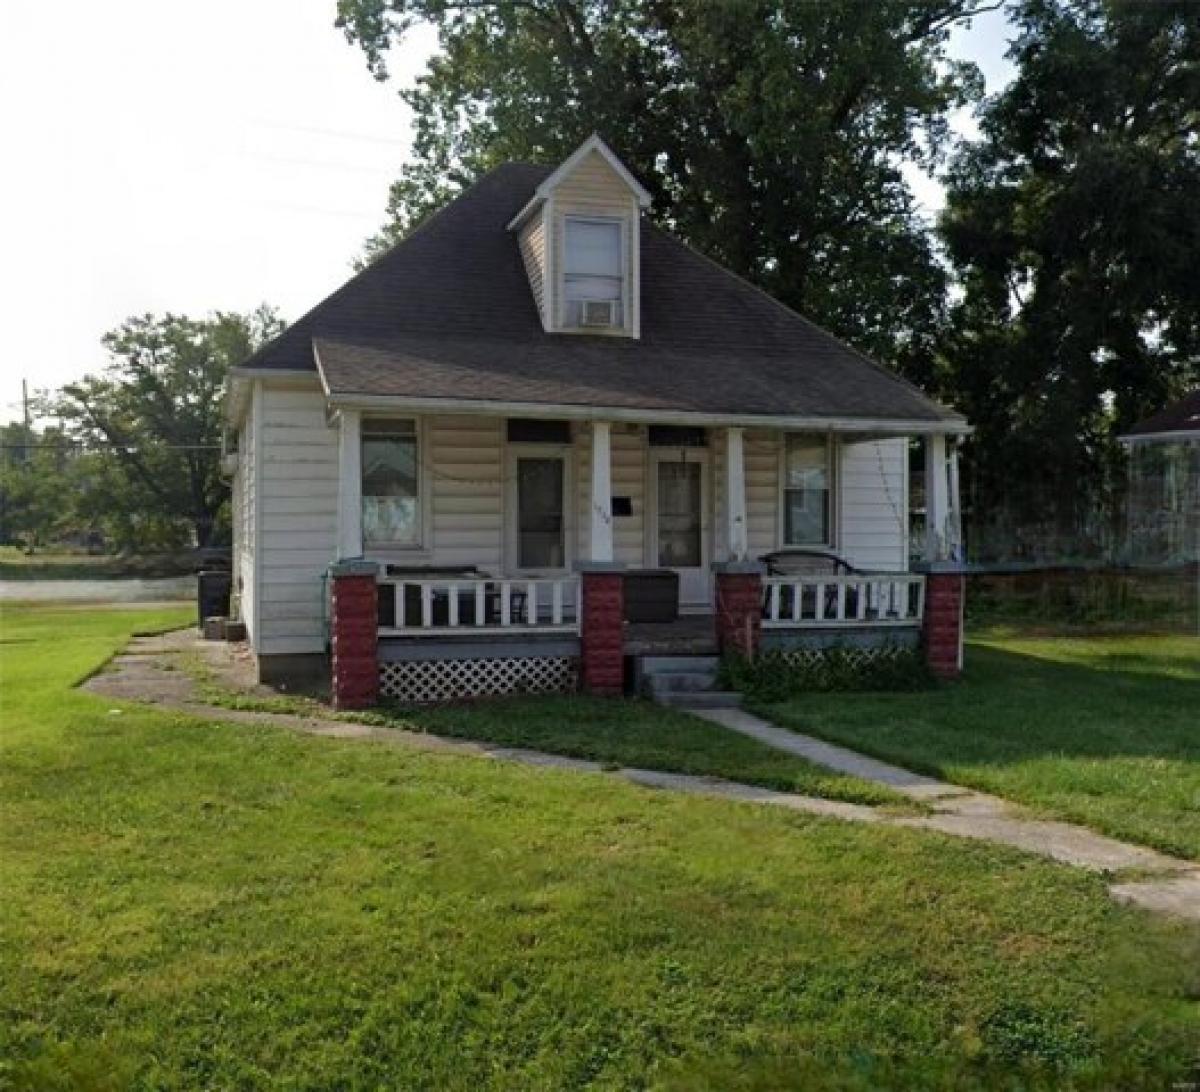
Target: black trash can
212,593
651,595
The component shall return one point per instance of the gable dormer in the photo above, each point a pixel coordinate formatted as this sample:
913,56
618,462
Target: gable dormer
579,241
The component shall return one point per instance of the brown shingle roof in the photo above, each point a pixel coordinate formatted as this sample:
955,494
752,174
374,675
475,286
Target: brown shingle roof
448,313
1181,416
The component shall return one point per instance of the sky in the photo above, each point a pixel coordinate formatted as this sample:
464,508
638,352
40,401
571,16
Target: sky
166,156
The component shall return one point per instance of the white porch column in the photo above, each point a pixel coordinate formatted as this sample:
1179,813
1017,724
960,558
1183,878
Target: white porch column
735,493
937,499
349,521
955,500
600,543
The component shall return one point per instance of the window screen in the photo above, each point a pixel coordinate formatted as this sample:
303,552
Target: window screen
680,515
541,541
391,509
806,492
591,266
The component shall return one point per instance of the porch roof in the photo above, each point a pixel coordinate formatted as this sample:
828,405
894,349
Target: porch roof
448,314
1179,420
684,392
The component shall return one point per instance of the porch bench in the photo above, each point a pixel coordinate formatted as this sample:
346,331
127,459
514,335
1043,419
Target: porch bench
809,567
800,562
412,593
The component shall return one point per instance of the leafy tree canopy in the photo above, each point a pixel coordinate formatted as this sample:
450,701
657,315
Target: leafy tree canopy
152,422
770,133
1074,224
33,478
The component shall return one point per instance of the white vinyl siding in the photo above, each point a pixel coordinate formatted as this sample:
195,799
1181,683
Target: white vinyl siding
298,513
533,253
869,483
629,480
593,188
246,499
762,491
872,482
287,503
466,481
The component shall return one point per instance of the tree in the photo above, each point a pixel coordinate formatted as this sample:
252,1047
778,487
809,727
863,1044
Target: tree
152,422
34,468
770,133
1074,225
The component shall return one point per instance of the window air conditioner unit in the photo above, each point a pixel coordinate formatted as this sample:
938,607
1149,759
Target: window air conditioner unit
598,313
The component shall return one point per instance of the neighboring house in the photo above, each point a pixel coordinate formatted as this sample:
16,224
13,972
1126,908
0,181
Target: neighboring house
1164,484
538,381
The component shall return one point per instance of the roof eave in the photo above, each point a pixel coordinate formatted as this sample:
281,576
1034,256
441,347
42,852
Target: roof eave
527,210
865,426
594,143
1160,436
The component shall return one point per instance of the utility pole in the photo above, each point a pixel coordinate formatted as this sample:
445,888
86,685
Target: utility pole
25,436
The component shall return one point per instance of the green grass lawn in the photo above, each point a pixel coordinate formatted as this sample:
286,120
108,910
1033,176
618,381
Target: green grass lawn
1101,730
640,734
191,904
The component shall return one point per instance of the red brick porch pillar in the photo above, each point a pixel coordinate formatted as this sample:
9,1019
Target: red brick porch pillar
943,624
354,634
739,607
601,632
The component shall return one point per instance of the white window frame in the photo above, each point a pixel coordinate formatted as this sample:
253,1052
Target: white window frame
832,461
512,505
423,543
622,225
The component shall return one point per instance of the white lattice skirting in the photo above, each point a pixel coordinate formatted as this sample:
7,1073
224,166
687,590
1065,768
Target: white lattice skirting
444,680
858,657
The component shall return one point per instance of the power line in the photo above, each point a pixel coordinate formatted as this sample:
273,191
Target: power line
339,134
87,445
321,164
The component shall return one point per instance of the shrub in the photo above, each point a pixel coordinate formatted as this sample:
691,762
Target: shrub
777,675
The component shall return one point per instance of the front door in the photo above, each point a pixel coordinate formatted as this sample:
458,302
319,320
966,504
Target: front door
679,524
539,523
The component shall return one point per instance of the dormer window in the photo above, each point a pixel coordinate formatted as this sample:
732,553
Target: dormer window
580,240
593,273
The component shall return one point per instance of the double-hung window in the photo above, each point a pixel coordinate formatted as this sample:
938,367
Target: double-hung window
593,282
807,507
391,483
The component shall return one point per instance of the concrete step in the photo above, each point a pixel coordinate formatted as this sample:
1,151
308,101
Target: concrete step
666,665
700,699
688,681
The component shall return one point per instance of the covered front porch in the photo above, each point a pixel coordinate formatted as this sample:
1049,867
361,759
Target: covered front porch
537,547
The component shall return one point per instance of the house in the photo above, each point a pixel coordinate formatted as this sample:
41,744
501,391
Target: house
1164,484
539,402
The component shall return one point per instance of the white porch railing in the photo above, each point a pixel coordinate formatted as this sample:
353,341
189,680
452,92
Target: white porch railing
875,599
446,605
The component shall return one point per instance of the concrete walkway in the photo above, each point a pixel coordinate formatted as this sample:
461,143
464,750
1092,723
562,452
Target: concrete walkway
149,671
1168,884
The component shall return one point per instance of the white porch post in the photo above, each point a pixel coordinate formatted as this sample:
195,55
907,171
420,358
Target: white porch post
601,539
735,493
937,498
349,522
955,527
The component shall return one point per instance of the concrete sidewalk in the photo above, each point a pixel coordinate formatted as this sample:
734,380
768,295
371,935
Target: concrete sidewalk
1170,885
149,671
